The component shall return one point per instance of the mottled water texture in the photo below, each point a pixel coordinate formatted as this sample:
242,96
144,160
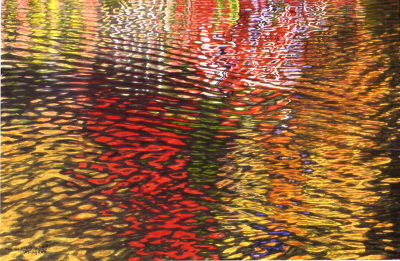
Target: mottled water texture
200,129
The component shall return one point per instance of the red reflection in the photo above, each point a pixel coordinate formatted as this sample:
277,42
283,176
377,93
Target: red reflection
148,158
152,162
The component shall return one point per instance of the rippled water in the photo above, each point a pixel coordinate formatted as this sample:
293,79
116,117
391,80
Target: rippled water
200,129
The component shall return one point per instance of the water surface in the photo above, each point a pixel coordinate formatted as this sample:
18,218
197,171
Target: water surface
200,129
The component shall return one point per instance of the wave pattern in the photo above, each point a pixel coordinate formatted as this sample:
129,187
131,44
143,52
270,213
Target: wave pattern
177,130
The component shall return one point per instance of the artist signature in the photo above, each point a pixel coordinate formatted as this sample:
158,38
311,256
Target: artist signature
32,249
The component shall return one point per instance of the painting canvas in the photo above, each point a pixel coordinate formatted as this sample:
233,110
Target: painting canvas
200,130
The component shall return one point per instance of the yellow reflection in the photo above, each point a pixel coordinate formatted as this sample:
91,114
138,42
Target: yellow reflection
326,197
